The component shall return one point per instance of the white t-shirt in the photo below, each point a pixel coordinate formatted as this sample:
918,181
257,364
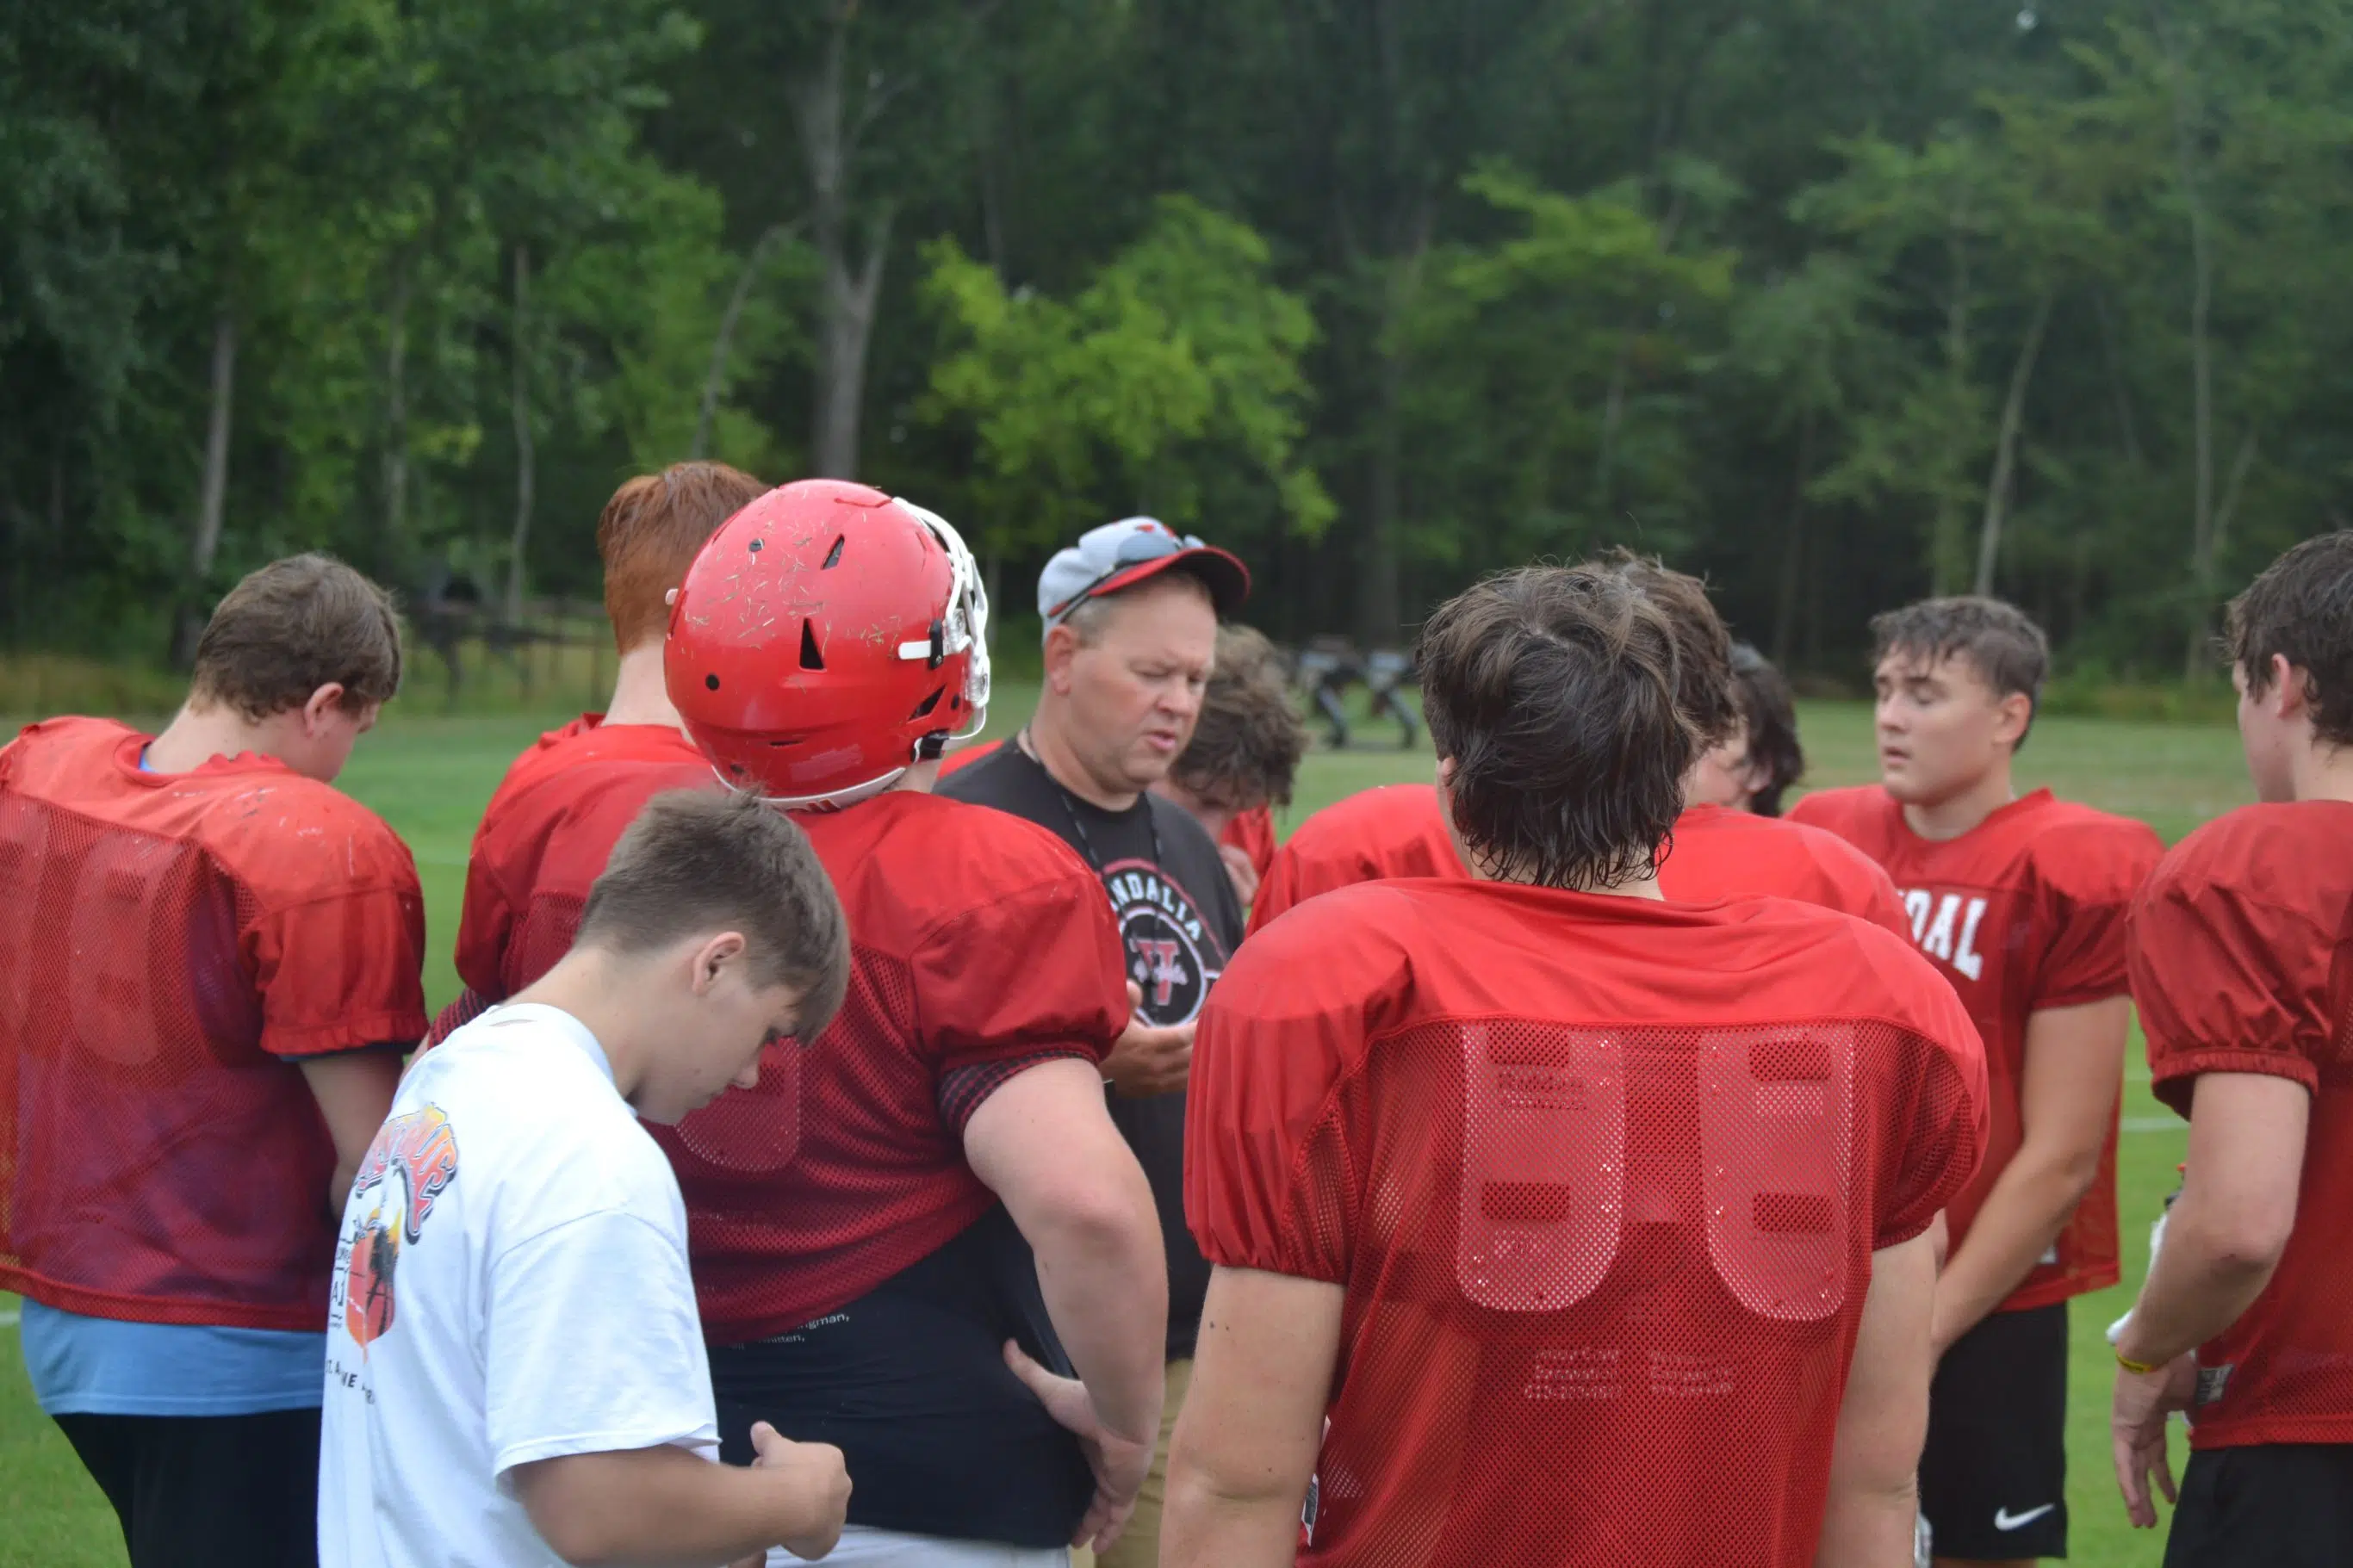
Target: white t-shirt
511,1285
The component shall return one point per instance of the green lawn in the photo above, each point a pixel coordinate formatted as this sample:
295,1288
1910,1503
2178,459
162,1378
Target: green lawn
430,777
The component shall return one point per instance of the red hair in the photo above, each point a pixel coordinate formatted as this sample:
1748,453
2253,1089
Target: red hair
649,534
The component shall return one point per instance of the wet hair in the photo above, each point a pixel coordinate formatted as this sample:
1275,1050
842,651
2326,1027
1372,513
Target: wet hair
292,627
1554,692
2005,648
2301,608
1245,750
650,533
1769,714
700,862
1702,646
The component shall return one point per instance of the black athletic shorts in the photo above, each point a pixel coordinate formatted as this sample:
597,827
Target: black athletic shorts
1993,1476
207,1491
2273,1505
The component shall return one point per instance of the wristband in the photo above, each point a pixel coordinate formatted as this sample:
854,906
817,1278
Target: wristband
2137,1368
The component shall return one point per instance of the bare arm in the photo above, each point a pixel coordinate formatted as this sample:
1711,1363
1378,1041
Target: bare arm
2224,1238
354,1092
2067,1102
1253,1423
667,1505
1045,1144
1883,1419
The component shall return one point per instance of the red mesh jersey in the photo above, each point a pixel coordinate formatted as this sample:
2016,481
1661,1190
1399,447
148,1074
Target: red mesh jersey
1396,830
545,838
976,938
1719,854
1601,1178
171,945
2025,911
1252,833
2242,961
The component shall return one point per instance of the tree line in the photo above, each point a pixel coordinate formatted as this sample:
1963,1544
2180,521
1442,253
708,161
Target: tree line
1841,300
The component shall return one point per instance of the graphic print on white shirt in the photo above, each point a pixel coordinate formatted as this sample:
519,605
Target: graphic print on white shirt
412,1162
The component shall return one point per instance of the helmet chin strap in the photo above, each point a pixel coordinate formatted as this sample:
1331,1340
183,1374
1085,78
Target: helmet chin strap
832,800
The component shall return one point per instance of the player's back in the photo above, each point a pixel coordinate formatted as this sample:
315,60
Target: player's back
980,944
1601,1178
170,944
544,838
1395,830
1720,854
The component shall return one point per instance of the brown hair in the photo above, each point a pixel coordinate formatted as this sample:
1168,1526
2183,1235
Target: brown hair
2006,649
1553,690
1245,750
699,861
1770,713
290,628
1702,648
2302,609
649,534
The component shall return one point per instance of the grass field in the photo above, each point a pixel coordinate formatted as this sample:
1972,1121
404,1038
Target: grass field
431,777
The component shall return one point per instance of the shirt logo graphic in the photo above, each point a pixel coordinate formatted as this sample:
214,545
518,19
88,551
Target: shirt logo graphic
2005,1520
1934,922
411,1163
1171,955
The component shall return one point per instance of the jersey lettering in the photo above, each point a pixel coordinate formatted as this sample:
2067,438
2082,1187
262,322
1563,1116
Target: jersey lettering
761,1143
1776,1116
1952,935
1544,1151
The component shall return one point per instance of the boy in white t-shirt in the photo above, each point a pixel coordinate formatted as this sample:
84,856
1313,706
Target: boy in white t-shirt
515,1369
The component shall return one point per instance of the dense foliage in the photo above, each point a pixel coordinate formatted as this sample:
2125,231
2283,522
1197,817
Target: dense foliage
1841,300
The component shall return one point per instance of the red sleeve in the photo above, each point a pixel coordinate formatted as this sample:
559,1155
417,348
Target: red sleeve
1937,1124
1032,972
1252,833
485,924
2228,978
1268,1172
1864,889
1278,888
342,970
2083,895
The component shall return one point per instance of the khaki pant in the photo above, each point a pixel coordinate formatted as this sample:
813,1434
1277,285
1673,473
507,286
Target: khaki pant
1138,1545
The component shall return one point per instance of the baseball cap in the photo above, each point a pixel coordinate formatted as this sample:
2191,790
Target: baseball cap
1120,554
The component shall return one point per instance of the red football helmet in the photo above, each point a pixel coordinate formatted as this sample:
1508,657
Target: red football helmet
826,636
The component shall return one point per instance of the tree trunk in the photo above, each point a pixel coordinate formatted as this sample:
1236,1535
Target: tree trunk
395,415
526,462
1380,600
849,286
2005,449
1793,548
1948,550
2112,361
2201,360
715,385
213,497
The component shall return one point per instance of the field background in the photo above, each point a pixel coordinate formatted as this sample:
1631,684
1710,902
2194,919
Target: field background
430,777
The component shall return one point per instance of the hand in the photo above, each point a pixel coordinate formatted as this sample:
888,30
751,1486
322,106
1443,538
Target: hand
812,1472
2136,1430
1240,872
1120,1463
1147,1060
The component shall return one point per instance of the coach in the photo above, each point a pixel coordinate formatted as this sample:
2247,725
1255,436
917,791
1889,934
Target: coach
1131,616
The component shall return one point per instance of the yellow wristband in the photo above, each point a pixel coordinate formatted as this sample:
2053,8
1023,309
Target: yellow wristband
2137,1368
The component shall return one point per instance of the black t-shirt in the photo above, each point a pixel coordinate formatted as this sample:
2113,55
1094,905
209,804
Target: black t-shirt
1179,921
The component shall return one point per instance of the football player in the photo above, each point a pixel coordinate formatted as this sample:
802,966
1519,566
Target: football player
1715,853
2242,967
2021,902
1753,767
563,804
863,1221
1556,1223
208,970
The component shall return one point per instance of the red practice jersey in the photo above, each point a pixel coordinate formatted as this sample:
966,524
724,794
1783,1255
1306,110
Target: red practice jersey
2026,910
545,838
172,946
1601,1178
1399,831
2242,961
1719,854
980,944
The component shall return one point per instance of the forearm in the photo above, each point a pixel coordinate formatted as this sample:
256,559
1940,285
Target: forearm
1105,1282
2196,1288
1868,1525
1206,1528
664,1505
2030,1204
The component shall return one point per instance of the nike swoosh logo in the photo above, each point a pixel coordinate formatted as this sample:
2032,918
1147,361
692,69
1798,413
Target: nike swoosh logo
2005,1520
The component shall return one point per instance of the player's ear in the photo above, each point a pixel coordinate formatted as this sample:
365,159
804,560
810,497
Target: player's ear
2016,711
1061,648
715,957
2284,692
320,704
